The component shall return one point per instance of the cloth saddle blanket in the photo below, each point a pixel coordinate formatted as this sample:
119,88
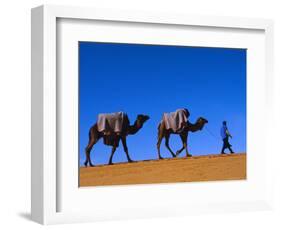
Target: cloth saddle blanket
176,121
111,125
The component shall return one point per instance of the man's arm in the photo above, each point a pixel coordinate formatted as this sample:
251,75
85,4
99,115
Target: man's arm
228,133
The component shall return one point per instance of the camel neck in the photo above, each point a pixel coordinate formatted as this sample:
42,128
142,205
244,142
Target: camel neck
194,127
134,128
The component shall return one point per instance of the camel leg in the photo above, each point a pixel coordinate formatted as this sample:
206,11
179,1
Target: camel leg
93,139
167,138
88,151
113,150
180,150
160,137
186,150
111,156
183,138
124,142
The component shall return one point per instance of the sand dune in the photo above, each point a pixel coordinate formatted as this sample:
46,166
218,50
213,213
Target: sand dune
199,168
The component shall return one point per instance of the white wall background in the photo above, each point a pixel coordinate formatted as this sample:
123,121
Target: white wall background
15,112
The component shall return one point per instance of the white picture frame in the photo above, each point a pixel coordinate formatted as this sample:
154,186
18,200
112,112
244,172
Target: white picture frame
48,179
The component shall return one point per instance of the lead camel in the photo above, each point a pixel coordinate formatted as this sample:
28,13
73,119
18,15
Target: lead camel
163,132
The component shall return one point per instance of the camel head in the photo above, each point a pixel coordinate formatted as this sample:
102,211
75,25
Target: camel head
141,119
201,122
198,125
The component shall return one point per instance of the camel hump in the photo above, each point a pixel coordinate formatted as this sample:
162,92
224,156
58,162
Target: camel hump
176,120
113,122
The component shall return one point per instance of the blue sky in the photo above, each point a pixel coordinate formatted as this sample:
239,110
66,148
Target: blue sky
152,79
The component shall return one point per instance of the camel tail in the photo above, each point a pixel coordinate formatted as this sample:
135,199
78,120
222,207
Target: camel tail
158,128
91,131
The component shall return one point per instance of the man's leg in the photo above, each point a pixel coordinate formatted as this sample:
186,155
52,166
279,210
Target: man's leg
230,149
228,145
224,146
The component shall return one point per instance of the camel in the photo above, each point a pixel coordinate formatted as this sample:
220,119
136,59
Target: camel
163,132
113,139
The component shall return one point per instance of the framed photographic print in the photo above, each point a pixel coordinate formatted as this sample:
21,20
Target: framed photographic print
140,114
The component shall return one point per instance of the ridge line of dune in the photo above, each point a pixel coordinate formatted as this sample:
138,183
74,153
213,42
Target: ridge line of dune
169,159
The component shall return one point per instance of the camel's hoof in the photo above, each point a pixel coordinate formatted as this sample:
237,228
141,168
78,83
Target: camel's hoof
131,161
110,163
91,165
174,156
161,158
188,155
85,164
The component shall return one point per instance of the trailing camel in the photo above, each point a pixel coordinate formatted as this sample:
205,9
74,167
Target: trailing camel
113,137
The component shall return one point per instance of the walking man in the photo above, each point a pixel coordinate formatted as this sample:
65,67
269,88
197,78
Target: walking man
225,136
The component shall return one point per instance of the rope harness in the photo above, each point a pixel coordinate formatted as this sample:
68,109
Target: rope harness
211,133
